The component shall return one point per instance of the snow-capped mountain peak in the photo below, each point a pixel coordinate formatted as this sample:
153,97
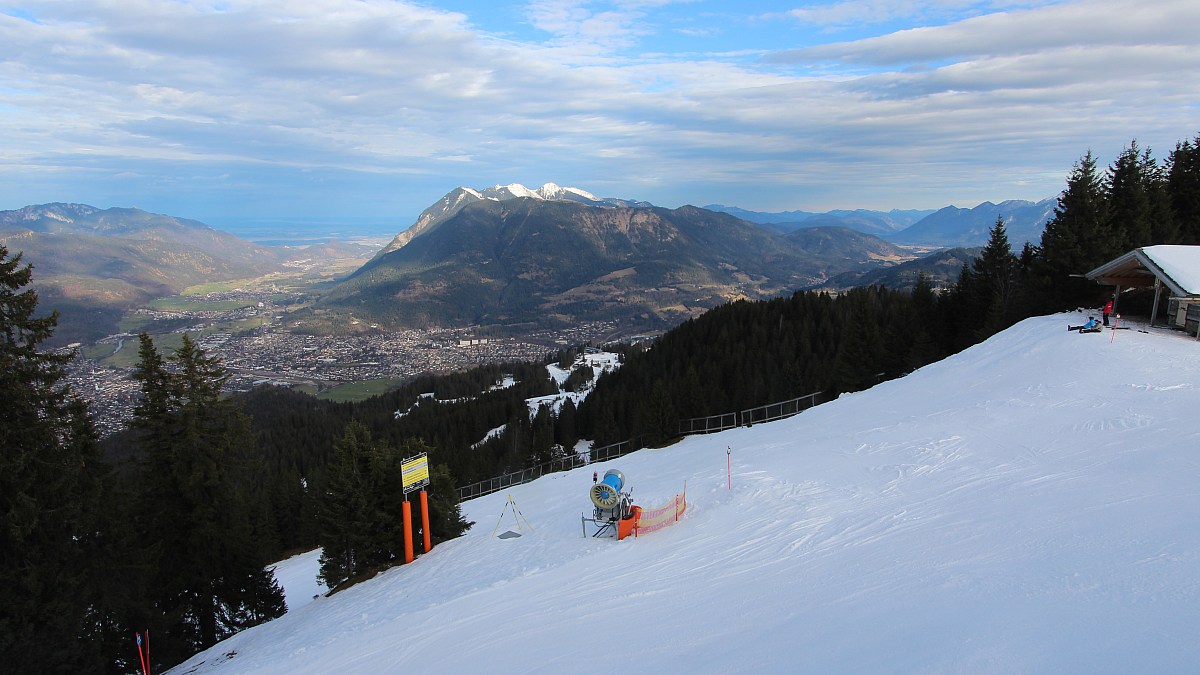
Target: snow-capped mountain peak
553,191
458,198
548,191
510,191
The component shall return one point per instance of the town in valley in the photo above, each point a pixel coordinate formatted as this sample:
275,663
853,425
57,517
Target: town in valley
265,352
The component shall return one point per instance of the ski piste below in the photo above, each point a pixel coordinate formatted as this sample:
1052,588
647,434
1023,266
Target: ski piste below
1026,505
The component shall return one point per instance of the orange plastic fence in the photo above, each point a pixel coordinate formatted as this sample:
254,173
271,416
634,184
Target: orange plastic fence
656,519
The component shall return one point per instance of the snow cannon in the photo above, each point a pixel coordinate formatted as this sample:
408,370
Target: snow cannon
613,507
606,494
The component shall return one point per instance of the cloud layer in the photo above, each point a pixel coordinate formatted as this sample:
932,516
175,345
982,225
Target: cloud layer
377,107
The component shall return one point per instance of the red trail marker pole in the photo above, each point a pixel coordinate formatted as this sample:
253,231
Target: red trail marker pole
728,468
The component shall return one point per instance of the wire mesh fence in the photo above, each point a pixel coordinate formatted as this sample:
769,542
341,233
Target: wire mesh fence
688,427
566,463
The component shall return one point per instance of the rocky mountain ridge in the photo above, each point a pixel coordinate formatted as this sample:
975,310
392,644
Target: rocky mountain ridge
520,260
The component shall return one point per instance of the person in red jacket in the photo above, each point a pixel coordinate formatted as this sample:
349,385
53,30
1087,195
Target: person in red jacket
1107,310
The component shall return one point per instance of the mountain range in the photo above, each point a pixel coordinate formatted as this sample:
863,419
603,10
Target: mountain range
510,256
951,226
880,223
947,227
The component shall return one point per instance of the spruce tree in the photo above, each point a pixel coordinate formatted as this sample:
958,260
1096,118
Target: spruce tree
208,581
1134,191
360,508
662,421
343,523
1076,240
50,493
445,514
1183,188
995,275
860,351
565,433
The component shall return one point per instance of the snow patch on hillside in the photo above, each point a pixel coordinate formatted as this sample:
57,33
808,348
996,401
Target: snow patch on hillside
599,362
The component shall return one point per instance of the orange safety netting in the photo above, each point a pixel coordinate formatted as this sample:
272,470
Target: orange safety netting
650,520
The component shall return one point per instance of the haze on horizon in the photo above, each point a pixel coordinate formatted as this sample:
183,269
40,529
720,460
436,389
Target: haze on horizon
368,111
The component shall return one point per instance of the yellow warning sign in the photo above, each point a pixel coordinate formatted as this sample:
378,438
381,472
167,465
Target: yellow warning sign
414,472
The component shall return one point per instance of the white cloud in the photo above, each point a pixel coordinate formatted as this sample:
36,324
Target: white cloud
394,88
856,13
1098,23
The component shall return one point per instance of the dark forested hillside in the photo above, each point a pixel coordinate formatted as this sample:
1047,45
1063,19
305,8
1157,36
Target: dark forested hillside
746,354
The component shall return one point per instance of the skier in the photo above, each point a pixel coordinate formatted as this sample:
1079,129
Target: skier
1108,308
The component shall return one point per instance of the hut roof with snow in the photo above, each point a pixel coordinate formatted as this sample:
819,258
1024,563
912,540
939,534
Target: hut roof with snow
1176,267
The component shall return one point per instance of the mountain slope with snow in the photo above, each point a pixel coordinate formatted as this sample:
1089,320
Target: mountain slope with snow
1031,504
454,201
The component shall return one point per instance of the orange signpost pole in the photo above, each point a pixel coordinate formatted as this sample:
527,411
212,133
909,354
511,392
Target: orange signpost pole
408,532
425,520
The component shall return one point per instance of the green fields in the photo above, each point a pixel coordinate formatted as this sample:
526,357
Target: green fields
358,391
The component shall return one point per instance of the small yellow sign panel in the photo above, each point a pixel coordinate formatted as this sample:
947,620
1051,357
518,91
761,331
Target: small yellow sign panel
414,472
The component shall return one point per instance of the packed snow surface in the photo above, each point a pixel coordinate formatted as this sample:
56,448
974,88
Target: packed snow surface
297,576
1031,504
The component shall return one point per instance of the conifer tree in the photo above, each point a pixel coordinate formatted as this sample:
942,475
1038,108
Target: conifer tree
1136,211
993,279
343,522
859,357
360,509
542,437
445,515
565,432
1076,239
662,421
1183,188
50,472
208,581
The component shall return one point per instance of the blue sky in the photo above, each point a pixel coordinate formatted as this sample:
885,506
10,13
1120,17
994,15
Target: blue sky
367,111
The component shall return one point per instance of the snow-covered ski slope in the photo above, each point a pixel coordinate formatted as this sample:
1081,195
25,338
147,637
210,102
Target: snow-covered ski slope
1031,505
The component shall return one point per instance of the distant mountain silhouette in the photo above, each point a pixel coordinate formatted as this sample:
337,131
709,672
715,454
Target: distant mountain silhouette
1024,221
940,267
947,227
93,264
880,223
527,259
